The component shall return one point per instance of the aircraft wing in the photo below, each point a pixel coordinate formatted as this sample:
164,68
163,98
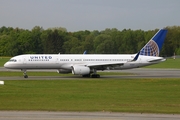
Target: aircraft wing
104,65
113,64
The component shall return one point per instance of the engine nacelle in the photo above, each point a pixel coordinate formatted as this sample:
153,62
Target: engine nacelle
80,70
63,71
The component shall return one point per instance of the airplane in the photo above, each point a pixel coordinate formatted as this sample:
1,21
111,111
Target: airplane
87,65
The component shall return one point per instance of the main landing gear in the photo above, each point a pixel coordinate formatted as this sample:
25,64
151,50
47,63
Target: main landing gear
95,76
24,73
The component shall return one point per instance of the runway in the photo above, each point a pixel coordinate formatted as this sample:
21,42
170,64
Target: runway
135,73
46,115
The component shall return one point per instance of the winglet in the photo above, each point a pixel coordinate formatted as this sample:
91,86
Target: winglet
153,47
85,52
136,57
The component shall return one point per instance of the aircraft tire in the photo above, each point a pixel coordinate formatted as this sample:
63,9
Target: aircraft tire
95,76
25,76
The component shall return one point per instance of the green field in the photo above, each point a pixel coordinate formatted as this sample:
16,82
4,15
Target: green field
3,60
116,95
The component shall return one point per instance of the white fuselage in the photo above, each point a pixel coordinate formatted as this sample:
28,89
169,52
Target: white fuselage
66,61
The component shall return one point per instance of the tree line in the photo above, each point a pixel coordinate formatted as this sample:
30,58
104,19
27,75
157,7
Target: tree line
16,41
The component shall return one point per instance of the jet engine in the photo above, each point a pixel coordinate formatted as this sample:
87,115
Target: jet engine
80,70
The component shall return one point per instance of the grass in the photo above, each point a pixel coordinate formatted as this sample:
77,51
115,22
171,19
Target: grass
3,60
125,95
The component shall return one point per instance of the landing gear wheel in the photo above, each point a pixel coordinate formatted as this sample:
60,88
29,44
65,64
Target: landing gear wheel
25,76
24,73
95,76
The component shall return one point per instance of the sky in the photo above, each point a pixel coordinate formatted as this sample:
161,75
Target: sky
76,15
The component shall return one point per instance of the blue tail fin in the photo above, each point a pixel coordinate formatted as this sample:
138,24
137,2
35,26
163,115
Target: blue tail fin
153,47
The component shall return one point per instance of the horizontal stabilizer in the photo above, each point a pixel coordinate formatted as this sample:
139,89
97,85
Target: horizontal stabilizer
157,60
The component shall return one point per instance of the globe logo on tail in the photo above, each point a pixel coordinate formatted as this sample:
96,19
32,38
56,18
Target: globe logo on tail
150,49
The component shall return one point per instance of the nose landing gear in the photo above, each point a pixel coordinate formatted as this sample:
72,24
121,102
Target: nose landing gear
24,73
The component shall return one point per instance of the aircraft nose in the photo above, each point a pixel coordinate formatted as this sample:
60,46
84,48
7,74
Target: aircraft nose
6,65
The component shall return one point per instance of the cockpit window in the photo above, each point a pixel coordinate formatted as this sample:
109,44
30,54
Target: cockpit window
12,60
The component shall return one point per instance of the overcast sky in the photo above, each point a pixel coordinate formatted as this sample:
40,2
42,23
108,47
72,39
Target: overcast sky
75,15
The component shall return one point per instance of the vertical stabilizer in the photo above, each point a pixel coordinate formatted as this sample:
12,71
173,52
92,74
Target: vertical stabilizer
153,47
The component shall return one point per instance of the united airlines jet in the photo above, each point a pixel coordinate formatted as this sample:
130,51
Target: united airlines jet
87,64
